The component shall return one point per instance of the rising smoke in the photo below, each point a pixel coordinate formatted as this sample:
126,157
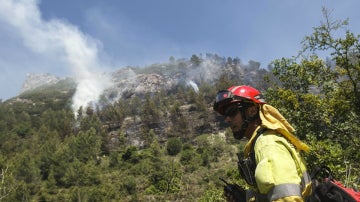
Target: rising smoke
63,41
193,85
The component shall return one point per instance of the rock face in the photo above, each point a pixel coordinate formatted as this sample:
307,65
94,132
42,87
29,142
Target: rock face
33,81
127,83
152,83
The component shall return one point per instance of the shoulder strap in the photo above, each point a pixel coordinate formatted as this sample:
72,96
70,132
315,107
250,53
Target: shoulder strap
247,166
259,132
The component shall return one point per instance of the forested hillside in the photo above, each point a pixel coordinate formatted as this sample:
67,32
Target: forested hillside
169,145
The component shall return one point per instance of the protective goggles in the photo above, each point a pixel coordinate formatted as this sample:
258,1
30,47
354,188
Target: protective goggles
231,111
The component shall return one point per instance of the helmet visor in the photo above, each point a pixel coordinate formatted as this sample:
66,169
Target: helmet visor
223,98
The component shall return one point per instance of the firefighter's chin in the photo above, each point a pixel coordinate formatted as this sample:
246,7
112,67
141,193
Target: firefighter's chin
238,134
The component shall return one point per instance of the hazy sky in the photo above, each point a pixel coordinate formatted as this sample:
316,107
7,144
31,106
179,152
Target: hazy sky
76,37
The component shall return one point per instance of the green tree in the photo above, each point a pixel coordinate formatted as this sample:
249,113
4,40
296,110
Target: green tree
173,146
8,183
195,60
61,121
46,147
171,59
85,145
225,80
81,174
150,113
165,177
26,169
321,98
344,52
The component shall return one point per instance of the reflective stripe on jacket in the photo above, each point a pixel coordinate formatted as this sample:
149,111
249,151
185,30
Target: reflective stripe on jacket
280,173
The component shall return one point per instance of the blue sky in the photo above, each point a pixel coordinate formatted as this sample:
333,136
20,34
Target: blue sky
80,37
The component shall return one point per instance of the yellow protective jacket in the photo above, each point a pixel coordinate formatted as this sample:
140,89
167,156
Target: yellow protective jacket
280,172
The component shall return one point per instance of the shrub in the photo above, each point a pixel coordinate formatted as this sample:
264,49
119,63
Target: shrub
173,146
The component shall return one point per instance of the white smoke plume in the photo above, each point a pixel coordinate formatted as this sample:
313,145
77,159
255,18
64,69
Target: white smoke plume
61,40
208,70
193,85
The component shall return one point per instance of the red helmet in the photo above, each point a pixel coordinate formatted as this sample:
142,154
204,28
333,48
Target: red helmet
236,94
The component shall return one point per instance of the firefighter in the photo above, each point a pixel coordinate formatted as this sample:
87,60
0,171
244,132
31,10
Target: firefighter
271,164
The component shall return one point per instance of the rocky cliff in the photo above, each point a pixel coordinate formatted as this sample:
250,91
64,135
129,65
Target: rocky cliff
34,81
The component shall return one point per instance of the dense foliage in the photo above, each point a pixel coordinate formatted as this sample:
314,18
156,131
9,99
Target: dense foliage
49,154
321,98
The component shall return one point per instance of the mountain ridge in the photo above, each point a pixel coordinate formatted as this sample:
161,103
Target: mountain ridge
130,81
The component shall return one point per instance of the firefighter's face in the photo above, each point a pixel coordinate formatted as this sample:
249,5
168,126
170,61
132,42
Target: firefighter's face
237,122
233,118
